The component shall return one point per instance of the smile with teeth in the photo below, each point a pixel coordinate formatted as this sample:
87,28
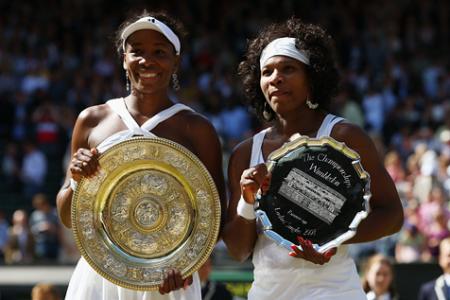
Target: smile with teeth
148,75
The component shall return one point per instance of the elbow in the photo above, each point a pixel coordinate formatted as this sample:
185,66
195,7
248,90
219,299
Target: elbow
237,252
398,222
66,223
240,256
64,217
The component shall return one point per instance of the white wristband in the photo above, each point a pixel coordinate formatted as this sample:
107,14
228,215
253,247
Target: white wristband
73,184
246,210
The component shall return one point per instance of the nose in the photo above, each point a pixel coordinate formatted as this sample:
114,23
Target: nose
145,60
276,77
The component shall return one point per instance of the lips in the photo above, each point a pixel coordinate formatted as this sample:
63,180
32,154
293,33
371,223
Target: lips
148,75
278,93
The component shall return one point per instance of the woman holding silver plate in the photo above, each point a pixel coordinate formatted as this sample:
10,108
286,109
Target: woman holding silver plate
289,77
149,45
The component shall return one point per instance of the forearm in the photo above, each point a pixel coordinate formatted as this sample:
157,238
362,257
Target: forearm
64,203
240,236
379,223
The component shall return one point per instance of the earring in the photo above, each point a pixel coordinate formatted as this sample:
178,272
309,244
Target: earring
267,112
175,82
127,79
311,105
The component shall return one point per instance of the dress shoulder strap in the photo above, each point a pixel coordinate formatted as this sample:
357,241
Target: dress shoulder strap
119,107
163,115
257,142
327,125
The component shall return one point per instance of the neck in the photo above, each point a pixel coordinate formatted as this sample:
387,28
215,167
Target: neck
147,104
304,123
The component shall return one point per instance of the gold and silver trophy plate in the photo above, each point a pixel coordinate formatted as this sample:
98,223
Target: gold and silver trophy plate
319,191
152,207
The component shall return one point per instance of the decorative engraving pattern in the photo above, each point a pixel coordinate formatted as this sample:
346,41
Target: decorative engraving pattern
140,220
152,207
323,193
312,195
147,213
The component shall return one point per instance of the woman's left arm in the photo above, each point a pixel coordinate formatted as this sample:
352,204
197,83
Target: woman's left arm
204,142
386,214
207,147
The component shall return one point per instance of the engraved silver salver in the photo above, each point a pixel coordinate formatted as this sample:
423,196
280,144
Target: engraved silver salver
319,191
152,207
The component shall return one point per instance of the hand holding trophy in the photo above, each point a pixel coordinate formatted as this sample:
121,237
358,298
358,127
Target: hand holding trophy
319,192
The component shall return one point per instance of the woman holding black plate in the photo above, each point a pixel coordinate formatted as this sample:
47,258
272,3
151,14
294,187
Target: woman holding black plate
289,77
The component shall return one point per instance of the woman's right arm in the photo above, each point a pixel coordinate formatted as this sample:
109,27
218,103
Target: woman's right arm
83,162
239,234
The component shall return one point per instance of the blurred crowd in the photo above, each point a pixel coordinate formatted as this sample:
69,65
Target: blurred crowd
58,57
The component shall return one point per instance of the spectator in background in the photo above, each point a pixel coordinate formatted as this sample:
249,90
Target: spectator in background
378,279
44,291
20,247
373,106
212,290
68,253
436,232
439,288
3,234
44,225
436,201
34,170
11,167
21,116
394,166
410,246
45,120
348,108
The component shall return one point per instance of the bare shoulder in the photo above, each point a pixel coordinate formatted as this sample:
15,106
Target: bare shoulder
243,148
357,139
352,135
86,123
240,156
92,115
194,122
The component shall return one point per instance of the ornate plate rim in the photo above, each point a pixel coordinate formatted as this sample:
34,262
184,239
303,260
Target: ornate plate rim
295,142
213,233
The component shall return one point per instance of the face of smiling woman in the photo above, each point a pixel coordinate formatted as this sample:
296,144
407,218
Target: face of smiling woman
150,60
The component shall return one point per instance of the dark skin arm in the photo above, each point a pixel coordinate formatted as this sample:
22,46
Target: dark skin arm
207,147
385,205
386,215
83,163
239,234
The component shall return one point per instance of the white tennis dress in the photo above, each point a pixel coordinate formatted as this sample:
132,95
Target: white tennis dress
86,284
280,276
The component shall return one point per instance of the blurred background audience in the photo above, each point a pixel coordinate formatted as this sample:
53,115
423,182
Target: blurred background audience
58,58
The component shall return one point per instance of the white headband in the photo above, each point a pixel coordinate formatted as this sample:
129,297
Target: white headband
283,46
153,24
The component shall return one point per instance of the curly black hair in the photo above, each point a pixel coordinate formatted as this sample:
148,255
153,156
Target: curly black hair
174,24
322,71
